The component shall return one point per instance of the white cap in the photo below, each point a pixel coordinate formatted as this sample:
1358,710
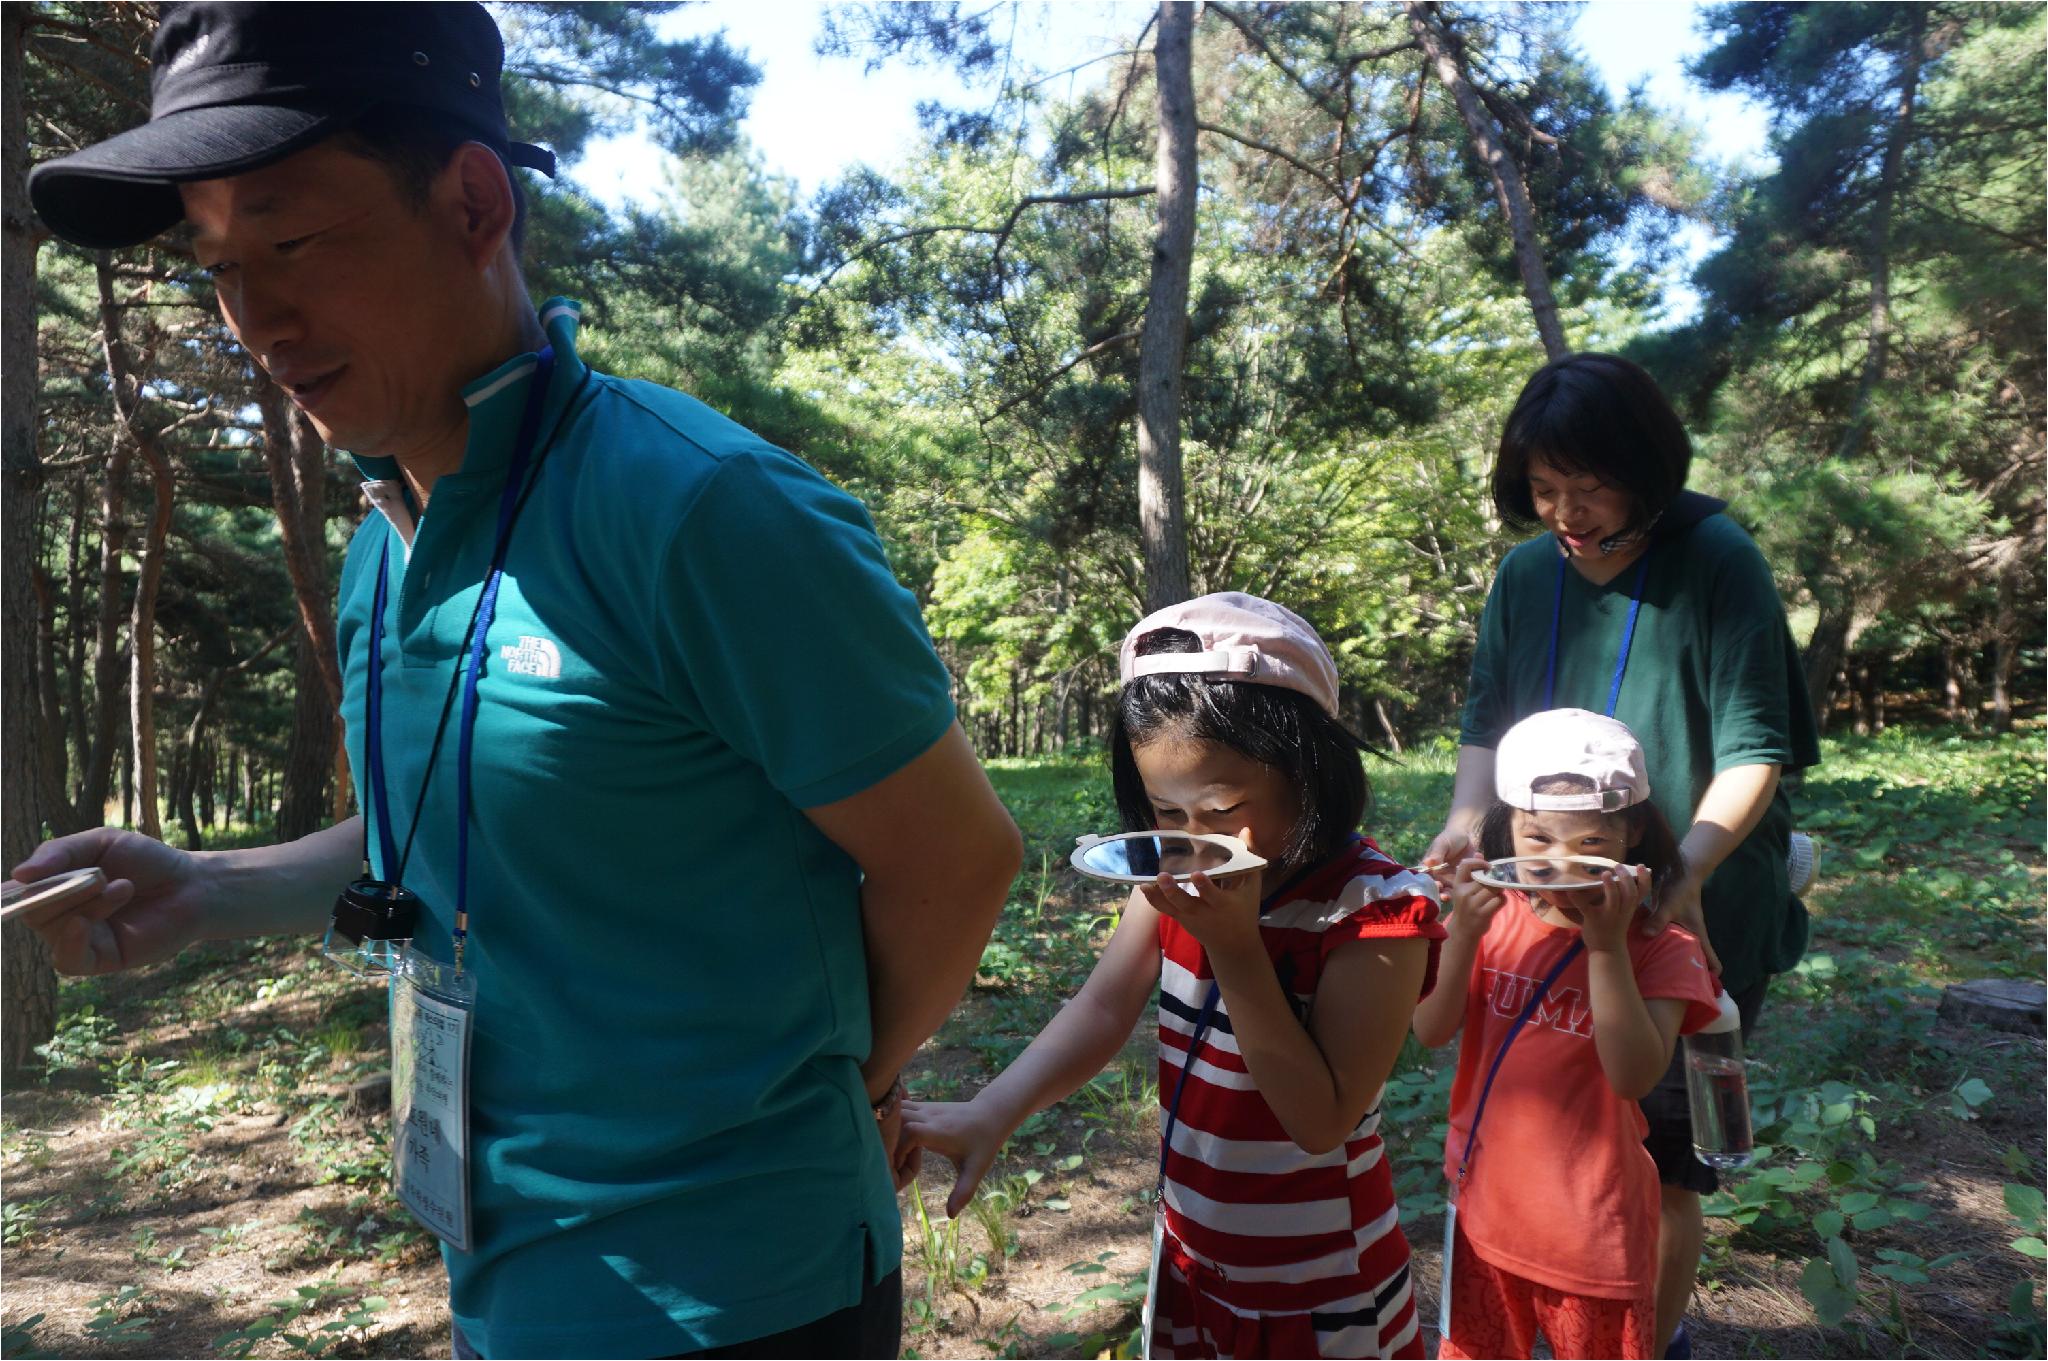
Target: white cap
1570,742
1244,638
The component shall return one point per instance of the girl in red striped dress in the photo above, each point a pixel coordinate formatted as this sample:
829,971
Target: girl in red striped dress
1284,996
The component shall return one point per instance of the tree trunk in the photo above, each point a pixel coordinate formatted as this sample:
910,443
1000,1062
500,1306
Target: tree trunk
2005,637
1509,188
309,761
1162,516
1876,358
142,639
1379,708
125,377
1823,660
30,984
296,460
53,760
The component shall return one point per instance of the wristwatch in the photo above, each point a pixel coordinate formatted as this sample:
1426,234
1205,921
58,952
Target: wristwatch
891,1099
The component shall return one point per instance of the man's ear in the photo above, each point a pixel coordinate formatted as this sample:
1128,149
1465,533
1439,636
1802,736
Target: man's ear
475,189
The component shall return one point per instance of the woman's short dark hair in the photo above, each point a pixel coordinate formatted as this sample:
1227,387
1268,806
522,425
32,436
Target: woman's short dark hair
414,145
1654,846
1318,757
1593,415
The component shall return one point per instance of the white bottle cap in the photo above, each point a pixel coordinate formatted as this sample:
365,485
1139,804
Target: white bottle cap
1801,860
1729,1019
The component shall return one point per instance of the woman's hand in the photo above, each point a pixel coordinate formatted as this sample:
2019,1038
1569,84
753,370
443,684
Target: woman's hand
959,1133
1440,861
1681,904
1473,904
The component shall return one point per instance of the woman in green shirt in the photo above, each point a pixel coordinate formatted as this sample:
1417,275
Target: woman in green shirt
1709,681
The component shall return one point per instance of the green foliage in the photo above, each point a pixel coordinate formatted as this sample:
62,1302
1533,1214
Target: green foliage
121,1317
359,1312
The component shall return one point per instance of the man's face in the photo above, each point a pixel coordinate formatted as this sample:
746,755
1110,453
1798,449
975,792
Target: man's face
343,291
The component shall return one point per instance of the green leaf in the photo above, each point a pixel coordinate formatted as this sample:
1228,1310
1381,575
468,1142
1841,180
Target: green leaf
2025,1203
1831,1304
1946,1259
1843,1259
1975,1091
2032,1247
1904,1275
1872,1219
1828,1223
1856,1202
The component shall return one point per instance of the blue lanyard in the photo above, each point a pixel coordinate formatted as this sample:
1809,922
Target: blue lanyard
1472,1135
1628,633
469,673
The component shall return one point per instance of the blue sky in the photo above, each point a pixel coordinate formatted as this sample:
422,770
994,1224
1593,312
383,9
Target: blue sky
814,117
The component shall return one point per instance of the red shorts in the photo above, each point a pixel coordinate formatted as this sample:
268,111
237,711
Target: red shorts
1495,1314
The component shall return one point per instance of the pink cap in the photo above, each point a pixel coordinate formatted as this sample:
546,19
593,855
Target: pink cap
1578,742
1243,638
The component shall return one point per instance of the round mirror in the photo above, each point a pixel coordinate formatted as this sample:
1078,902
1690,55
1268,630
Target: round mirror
70,886
1546,873
1141,857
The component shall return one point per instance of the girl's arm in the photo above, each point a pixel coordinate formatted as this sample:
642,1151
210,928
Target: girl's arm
1076,1045
1320,1081
1632,1036
1439,1015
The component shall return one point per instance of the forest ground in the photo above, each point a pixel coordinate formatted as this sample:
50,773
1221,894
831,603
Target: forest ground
189,1179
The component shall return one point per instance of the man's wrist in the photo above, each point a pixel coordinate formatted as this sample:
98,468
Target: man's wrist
891,1099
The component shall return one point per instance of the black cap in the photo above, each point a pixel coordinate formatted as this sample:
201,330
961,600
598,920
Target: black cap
235,87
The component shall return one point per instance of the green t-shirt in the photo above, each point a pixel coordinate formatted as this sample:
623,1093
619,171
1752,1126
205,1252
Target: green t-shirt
697,637
1713,681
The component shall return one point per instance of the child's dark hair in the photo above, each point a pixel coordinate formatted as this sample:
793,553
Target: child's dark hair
1593,415
1654,846
1317,756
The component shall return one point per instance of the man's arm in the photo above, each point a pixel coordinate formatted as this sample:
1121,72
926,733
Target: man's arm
938,853
160,899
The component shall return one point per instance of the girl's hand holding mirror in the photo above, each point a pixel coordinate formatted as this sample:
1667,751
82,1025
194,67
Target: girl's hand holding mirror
1473,902
1222,913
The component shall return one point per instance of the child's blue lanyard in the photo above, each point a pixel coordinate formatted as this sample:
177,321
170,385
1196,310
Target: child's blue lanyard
1203,1020
1535,1000
470,674
1628,633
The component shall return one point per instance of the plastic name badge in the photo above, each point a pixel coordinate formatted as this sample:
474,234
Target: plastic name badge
432,1008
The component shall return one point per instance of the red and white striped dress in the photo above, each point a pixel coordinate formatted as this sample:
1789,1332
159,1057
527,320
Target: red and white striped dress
1271,1251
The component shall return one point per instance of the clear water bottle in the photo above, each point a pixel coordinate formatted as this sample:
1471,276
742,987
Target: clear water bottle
1718,1086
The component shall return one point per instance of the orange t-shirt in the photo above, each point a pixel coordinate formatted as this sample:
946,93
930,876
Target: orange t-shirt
1561,1190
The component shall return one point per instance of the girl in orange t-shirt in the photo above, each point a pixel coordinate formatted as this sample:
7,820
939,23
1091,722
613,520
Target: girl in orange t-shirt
1554,1221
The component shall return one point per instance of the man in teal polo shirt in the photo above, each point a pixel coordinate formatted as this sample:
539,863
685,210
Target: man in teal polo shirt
635,688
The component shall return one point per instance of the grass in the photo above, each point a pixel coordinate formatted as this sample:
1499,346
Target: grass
1932,872
1904,1171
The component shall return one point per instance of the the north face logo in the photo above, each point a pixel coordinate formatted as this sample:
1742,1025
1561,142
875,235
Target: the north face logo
532,657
